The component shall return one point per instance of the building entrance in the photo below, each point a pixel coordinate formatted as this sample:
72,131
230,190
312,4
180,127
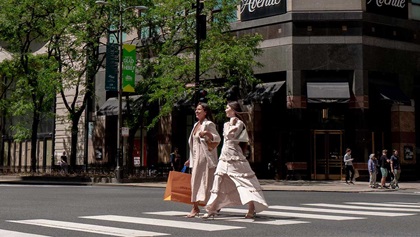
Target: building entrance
327,154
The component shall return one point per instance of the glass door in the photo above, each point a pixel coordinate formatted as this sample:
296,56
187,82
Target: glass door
327,154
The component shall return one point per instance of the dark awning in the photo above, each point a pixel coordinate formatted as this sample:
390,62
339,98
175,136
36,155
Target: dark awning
394,95
110,107
265,91
328,92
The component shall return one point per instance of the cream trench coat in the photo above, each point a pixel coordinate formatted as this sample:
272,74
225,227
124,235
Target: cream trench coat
211,156
203,162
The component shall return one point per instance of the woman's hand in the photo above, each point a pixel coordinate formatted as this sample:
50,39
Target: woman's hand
187,163
202,133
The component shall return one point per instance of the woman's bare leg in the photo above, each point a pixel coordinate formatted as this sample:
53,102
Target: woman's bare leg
195,211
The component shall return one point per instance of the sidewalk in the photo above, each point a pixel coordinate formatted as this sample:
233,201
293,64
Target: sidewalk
267,185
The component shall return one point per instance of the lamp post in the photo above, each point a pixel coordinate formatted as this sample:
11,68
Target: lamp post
120,143
200,33
198,7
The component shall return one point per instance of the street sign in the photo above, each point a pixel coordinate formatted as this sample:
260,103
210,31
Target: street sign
124,131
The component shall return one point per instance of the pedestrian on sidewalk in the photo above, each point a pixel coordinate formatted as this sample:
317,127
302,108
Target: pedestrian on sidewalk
202,142
235,182
395,169
372,168
63,163
348,164
384,163
175,159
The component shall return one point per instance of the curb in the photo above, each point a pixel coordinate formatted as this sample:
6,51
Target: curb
267,185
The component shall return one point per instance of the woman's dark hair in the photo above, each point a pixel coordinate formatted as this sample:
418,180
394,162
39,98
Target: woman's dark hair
235,106
206,109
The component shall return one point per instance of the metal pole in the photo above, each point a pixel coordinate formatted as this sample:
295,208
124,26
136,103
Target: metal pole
197,52
118,169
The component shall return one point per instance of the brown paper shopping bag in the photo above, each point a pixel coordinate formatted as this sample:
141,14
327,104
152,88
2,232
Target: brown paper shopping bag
178,187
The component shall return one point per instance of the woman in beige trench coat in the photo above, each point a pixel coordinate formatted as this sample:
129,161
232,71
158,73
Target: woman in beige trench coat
235,182
202,160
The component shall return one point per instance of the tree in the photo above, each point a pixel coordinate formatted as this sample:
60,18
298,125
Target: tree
35,74
167,56
7,79
71,37
74,43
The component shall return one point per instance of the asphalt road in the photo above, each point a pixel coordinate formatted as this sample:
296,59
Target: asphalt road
92,211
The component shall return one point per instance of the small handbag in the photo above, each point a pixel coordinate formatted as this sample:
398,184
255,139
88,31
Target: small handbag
242,137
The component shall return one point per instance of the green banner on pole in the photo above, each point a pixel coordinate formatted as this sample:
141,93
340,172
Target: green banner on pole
111,73
129,68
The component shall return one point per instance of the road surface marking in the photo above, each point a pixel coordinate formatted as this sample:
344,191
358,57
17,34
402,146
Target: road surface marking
366,213
385,204
297,215
263,221
166,223
169,213
8,233
407,203
97,229
362,207
258,220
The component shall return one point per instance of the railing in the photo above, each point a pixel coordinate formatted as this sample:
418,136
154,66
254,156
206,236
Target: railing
96,171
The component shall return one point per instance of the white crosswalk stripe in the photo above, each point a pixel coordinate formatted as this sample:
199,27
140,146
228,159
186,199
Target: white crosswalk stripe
9,233
233,218
363,207
170,223
297,215
263,221
98,229
385,204
407,203
351,212
277,215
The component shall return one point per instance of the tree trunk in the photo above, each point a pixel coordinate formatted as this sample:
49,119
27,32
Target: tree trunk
74,139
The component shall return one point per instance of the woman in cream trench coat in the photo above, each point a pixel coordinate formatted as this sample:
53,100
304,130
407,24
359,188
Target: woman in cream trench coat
235,182
203,141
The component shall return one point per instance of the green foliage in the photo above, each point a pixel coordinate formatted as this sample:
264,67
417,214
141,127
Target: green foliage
26,98
43,70
168,55
8,72
23,23
21,132
32,93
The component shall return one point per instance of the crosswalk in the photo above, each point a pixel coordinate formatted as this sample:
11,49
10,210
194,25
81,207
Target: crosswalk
229,219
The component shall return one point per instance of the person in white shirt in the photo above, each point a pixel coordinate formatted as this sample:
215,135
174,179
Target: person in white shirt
348,162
